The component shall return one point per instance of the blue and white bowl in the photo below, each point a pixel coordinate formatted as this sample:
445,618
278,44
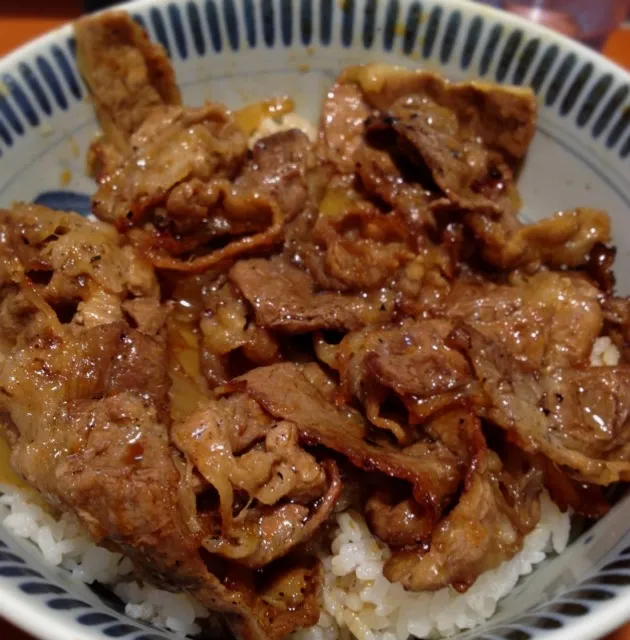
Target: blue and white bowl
238,51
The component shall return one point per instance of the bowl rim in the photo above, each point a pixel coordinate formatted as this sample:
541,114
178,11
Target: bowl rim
490,12
38,621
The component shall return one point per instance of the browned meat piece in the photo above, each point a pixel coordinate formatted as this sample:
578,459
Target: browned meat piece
459,164
459,430
387,174
245,223
503,117
175,184
578,418
567,238
127,75
587,500
227,332
108,360
487,526
549,320
176,149
342,123
284,391
349,244
398,523
564,240
278,168
424,282
276,473
599,267
265,534
79,268
213,337
362,247
410,361
284,299
88,419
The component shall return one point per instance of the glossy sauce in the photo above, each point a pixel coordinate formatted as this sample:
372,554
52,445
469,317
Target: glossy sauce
249,118
10,478
7,475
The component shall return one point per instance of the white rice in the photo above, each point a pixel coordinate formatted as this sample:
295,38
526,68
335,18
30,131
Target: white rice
269,126
64,543
358,598
605,353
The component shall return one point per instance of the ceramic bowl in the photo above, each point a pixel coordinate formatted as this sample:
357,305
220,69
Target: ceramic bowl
240,51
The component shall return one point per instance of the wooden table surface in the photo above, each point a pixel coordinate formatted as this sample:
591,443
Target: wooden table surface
27,19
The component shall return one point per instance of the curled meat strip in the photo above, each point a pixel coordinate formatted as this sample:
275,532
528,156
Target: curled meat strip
575,417
285,392
487,526
284,299
175,153
128,76
274,471
410,361
503,117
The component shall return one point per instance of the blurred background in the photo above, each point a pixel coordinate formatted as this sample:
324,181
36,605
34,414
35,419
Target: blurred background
601,24
591,21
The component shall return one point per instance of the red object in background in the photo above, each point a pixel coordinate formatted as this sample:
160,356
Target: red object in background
590,21
562,22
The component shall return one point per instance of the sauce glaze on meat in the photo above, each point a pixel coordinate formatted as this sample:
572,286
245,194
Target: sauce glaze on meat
249,341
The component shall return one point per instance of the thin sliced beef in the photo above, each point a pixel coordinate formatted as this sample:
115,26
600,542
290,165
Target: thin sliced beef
578,418
292,492
242,225
388,175
496,510
398,522
78,269
463,169
48,369
350,244
549,320
128,76
175,185
278,167
362,247
285,393
229,339
503,117
342,124
284,299
588,500
459,430
392,514
410,362
180,150
89,425
567,239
